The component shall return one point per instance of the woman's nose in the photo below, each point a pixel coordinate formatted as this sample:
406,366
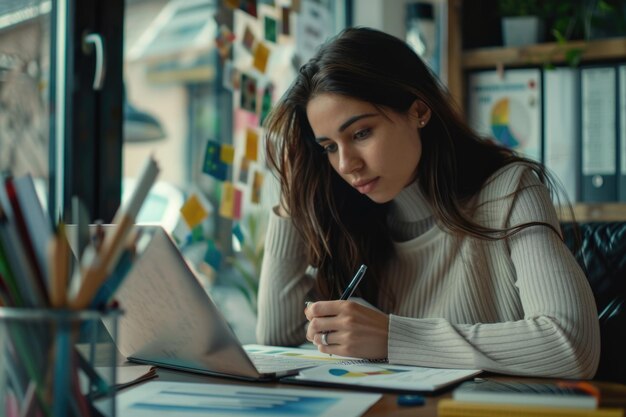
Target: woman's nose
349,161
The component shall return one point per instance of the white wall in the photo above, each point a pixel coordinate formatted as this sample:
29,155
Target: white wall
386,15
167,102
390,16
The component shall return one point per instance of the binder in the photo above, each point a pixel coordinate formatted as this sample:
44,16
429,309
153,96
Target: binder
561,137
621,190
598,133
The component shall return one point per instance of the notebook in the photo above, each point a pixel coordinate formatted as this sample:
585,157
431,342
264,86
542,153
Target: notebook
170,321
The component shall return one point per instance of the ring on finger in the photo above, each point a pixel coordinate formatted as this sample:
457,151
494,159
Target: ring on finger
325,339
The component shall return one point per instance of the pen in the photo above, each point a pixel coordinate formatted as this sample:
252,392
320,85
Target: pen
347,293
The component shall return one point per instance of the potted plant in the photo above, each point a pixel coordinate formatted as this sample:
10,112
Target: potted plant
583,20
522,22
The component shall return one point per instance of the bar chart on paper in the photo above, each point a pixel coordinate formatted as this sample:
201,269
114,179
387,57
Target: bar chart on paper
165,399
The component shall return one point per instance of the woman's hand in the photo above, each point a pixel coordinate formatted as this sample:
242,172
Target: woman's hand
352,329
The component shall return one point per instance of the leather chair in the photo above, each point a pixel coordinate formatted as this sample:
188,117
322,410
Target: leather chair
601,251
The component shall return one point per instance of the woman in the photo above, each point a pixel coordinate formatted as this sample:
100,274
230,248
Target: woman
466,264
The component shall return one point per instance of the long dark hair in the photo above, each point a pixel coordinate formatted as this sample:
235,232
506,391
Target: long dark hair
342,227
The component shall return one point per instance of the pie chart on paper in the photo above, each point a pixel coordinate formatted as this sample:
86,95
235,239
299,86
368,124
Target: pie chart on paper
510,123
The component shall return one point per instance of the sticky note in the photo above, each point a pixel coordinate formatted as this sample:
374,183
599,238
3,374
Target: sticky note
193,211
230,205
227,154
228,200
197,234
213,165
257,185
248,39
245,119
252,145
261,56
248,6
243,170
286,13
266,102
233,4
237,204
213,256
248,92
270,28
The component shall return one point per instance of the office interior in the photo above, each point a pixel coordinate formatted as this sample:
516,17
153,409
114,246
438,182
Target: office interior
89,90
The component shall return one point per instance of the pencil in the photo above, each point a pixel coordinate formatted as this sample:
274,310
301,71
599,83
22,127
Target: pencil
115,241
96,273
58,253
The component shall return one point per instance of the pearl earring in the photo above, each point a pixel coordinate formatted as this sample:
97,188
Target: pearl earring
422,123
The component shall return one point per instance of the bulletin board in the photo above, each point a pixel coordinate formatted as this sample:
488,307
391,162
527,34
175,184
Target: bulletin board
261,45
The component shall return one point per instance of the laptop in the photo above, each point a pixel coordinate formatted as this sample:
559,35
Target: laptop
169,320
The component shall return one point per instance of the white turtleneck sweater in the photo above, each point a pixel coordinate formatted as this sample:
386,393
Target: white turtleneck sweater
519,305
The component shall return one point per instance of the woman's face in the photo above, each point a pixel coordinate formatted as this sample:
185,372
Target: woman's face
377,153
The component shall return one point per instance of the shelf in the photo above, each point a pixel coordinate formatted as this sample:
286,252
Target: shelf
596,212
596,50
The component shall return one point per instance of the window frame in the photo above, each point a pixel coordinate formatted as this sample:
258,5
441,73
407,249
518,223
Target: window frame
86,123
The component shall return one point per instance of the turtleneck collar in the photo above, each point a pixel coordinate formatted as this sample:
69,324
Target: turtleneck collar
410,205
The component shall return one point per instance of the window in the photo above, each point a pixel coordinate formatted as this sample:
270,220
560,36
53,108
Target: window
24,89
184,73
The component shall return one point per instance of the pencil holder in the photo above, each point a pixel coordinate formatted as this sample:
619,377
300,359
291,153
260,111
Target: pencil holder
57,363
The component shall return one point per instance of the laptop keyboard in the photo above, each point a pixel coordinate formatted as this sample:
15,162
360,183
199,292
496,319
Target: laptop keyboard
266,364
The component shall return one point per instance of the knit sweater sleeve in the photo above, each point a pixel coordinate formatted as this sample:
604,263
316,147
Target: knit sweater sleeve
283,286
558,335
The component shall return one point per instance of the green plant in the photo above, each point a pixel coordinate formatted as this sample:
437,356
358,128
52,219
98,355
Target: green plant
572,55
248,259
584,19
565,19
578,20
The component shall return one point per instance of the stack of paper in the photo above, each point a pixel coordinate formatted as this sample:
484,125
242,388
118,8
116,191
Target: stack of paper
160,399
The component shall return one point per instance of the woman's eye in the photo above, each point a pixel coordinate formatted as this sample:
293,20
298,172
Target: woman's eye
362,134
330,148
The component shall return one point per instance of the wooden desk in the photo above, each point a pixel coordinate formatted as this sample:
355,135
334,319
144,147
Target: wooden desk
613,395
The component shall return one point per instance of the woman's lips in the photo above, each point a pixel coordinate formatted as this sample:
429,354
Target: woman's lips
366,187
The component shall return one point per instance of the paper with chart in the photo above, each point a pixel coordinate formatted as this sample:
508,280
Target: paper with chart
302,353
165,399
507,107
385,376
